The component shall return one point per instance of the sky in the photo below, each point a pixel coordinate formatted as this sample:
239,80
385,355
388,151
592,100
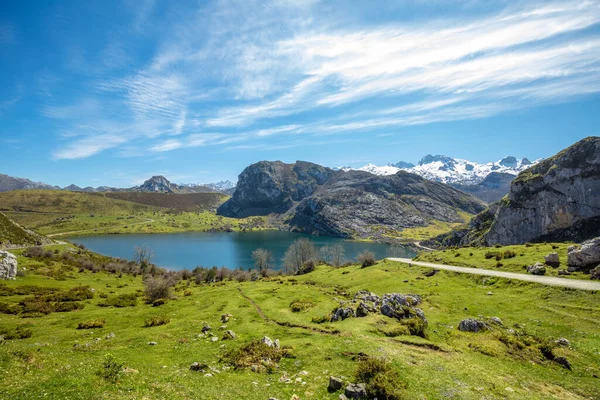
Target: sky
113,92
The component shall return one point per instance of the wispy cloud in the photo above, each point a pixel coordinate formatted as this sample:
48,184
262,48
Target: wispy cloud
261,73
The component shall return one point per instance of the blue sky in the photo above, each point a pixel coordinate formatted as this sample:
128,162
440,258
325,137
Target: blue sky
111,92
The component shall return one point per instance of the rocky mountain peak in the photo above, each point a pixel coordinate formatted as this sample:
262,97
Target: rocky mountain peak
428,159
158,184
509,161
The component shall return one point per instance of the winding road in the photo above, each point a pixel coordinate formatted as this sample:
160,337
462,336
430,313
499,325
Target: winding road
544,280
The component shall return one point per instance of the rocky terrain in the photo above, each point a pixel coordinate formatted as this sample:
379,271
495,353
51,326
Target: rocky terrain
492,188
557,199
14,235
318,200
11,183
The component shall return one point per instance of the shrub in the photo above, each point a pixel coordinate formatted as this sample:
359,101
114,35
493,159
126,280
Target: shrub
256,354
299,305
509,254
157,320
157,288
122,300
493,254
94,323
187,292
19,332
308,267
321,320
366,258
111,369
415,326
381,379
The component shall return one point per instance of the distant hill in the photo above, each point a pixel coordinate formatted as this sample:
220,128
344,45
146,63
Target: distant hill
14,235
557,199
160,184
182,202
11,183
60,201
318,200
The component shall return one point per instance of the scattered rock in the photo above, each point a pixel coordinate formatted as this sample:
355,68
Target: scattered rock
472,325
563,272
335,384
537,269
496,320
8,265
196,366
356,391
229,335
431,273
552,260
276,344
295,397
206,328
342,313
214,339
152,343
208,375
564,362
399,306
588,256
342,397
225,318
490,293
563,342
223,327
267,340
110,335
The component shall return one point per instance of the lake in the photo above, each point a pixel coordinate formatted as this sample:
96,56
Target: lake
230,249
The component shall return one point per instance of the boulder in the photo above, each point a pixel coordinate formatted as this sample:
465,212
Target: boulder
365,295
368,303
563,342
399,306
341,313
563,272
595,273
564,362
356,391
335,384
495,320
552,260
267,340
225,318
206,328
229,335
472,325
537,269
8,265
585,258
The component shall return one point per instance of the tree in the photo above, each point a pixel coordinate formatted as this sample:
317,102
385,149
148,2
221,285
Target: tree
333,255
263,259
300,252
143,255
366,258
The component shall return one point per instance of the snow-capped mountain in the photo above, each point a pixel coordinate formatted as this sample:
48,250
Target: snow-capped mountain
450,170
221,186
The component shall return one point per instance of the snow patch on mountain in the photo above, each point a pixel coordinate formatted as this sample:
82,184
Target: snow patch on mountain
450,170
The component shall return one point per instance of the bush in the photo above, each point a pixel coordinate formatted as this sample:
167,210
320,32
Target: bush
509,254
256,354
300,305
157,288
366,258
381,379
94,323
122,300
157,320
111,369
19,332
308,267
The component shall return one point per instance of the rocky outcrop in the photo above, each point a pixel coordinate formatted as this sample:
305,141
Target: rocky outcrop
8,265
392,305
318,200
536,269
557,199
491,189
552,260
586,257
472,325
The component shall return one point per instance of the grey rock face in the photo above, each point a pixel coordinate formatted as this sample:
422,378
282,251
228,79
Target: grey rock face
588,256
395,305
356,391
342,313
595,273
8,265
551,196
472,325
318,200
537,269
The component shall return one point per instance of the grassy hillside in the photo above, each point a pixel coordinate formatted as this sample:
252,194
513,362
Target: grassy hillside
183,202
55,201
13,235
60,361
504,258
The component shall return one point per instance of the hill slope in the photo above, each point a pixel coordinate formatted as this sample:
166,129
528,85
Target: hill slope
182,202
557,199
11,183
318,200
14,235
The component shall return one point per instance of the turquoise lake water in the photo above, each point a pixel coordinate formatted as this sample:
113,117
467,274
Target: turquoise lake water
228,249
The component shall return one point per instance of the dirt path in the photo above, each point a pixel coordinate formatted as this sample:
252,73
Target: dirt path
418,244
148,221
286,324
544,280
